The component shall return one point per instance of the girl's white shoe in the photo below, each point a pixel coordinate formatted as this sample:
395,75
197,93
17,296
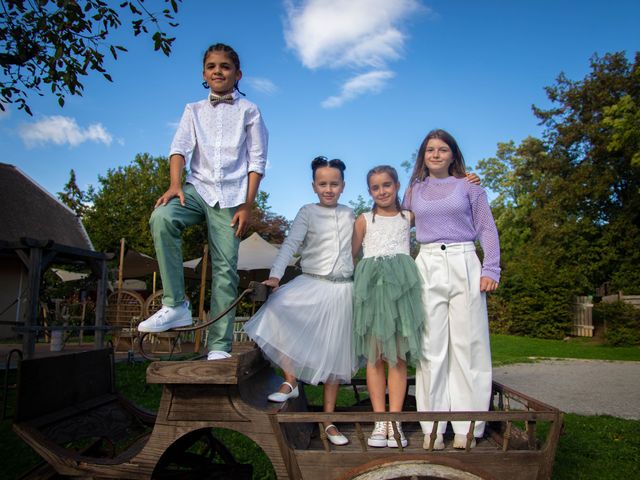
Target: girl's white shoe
378,437
338,439
283,397
392,442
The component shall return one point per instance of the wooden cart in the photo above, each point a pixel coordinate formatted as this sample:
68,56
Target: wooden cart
69,412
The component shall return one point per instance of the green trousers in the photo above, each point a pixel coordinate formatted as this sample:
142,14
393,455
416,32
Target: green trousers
167,223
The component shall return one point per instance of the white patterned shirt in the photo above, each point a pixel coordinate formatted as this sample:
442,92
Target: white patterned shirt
224,143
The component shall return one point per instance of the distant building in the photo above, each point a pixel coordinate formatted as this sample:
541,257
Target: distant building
28,211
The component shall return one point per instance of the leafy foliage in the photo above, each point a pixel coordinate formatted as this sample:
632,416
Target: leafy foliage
74,198
52,44
123,203
622,323
567,206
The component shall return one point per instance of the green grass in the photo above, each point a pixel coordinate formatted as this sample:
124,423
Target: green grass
601,447
506,349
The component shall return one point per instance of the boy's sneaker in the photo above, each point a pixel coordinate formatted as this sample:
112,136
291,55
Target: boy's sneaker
167,318
217,355
392,442
378,437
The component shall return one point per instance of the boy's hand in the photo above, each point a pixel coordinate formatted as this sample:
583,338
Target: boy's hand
241,219
169,194
272,282
473,178
488,284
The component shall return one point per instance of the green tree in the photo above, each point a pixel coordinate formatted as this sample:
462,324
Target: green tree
360,205
123,203
53,43
74,197
567,206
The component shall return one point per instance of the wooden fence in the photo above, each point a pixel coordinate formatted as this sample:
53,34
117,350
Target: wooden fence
583,317
583,312
619,297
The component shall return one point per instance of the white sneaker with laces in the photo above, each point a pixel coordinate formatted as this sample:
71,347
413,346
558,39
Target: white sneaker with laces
217,355
378,437
392,442
167,318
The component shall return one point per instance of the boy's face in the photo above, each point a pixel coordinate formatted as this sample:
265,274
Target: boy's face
328,185
220,73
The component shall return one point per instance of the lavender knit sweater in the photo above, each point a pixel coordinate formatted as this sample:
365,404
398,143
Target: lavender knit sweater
452,210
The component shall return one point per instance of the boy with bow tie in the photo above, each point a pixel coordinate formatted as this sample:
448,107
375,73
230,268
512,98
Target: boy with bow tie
226,140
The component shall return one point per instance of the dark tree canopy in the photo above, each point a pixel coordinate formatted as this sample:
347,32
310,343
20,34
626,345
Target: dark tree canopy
568,205
52,44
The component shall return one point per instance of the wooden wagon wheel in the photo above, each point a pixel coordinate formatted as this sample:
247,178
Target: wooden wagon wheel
124,311
199,454
415,468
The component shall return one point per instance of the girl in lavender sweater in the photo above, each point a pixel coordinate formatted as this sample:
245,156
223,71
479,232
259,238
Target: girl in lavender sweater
450,215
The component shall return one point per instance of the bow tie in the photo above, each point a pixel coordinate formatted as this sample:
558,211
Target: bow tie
215,99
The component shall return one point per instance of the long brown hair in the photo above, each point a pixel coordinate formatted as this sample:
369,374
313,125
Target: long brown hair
457,167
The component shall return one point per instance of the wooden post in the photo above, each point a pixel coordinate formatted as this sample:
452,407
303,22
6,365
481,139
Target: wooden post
121,265
203,285
31,319
101,300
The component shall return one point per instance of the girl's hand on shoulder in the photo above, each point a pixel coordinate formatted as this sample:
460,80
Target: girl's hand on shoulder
272,282
488,284
169,194
473,178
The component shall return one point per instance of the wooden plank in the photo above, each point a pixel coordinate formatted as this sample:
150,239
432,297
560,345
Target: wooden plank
228,371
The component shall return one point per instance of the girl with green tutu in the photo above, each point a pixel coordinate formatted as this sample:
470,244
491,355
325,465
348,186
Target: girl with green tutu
388,312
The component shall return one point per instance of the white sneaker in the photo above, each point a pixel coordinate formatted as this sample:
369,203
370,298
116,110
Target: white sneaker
167,318
392,442
217,355
437,445
378,437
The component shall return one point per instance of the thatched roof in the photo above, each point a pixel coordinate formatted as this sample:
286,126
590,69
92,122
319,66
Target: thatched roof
28,210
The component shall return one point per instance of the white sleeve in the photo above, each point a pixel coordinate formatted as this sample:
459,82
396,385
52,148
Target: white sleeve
291,245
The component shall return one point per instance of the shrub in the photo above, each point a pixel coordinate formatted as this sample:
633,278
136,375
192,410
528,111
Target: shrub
622,323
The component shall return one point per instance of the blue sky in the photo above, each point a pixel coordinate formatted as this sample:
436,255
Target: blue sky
360,80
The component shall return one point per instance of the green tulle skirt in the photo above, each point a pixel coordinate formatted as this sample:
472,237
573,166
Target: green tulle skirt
388,318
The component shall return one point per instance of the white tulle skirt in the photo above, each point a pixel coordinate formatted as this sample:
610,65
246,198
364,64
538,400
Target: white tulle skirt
305,328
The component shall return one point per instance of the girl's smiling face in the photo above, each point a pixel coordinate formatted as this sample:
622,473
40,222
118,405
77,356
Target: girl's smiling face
328,185
220,73
437,158
383,190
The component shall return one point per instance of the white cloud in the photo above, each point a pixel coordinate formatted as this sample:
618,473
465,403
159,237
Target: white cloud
263,85
370,82
61,130
335,33
357,34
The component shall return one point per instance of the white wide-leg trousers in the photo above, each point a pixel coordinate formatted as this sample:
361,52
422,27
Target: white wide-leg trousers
456,375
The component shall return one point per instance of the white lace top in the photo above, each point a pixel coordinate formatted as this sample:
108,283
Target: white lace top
386,236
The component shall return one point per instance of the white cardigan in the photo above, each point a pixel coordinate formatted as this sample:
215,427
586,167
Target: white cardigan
322,236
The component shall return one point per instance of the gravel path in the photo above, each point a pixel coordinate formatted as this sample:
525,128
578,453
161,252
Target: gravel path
586,387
